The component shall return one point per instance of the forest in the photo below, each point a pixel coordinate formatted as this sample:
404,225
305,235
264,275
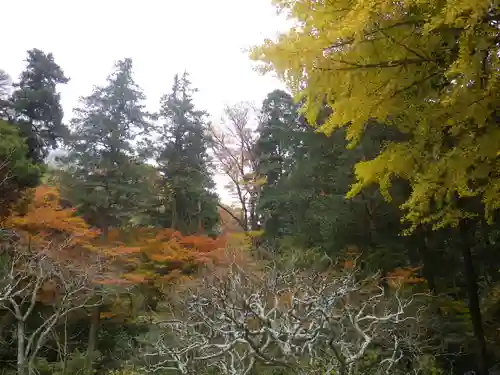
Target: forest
364,231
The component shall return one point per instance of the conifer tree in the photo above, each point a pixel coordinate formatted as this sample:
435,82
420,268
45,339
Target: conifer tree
35,103
184,163
105,175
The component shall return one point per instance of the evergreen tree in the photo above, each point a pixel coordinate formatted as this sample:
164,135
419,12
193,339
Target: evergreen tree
35,103
307,177
17,171
106,176
184,163
279,140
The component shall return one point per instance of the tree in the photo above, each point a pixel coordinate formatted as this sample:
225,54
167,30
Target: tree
428,70
183,162
17,171
31,277
230,220
45,219
281,136
105,174
36,103
307,177
429,58
5,90
234,152
48,260
157,255
280,132
243,320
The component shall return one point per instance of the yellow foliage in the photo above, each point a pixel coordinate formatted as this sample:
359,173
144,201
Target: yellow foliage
428,68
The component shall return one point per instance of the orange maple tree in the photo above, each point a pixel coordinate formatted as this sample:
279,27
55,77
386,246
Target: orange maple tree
48,258
158,255
149,258
45,220
143,253
43,228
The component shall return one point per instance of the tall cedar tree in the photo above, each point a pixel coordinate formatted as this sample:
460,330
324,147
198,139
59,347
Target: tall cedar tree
35,104
184,163
106,176
308,175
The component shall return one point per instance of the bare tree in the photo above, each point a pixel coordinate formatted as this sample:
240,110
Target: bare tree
315,323
33,277
234,153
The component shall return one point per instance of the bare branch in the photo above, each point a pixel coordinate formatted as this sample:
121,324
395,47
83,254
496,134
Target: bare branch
32,277
234,152
303,322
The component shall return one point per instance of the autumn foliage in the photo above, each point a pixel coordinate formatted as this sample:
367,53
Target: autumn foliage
45,219
48,249
138,255
158,255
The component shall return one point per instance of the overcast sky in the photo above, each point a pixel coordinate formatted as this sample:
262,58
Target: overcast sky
163,37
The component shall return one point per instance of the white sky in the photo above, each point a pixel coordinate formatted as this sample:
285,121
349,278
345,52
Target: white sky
163,37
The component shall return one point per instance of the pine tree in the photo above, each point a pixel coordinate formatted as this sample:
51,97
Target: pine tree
105,174
36,106
184,163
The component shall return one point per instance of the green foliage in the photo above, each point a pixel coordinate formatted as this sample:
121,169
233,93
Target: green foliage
17,171
429,69
183,162
36,103
126,371
308,176
74,364
105,173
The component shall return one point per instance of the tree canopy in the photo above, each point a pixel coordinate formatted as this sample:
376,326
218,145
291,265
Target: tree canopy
428,69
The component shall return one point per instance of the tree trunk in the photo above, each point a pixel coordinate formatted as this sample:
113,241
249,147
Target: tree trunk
200,219
21,360
93,332
474,306
95,316
173,224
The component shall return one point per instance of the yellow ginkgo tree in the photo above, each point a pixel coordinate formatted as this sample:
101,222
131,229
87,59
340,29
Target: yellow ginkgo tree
429,68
